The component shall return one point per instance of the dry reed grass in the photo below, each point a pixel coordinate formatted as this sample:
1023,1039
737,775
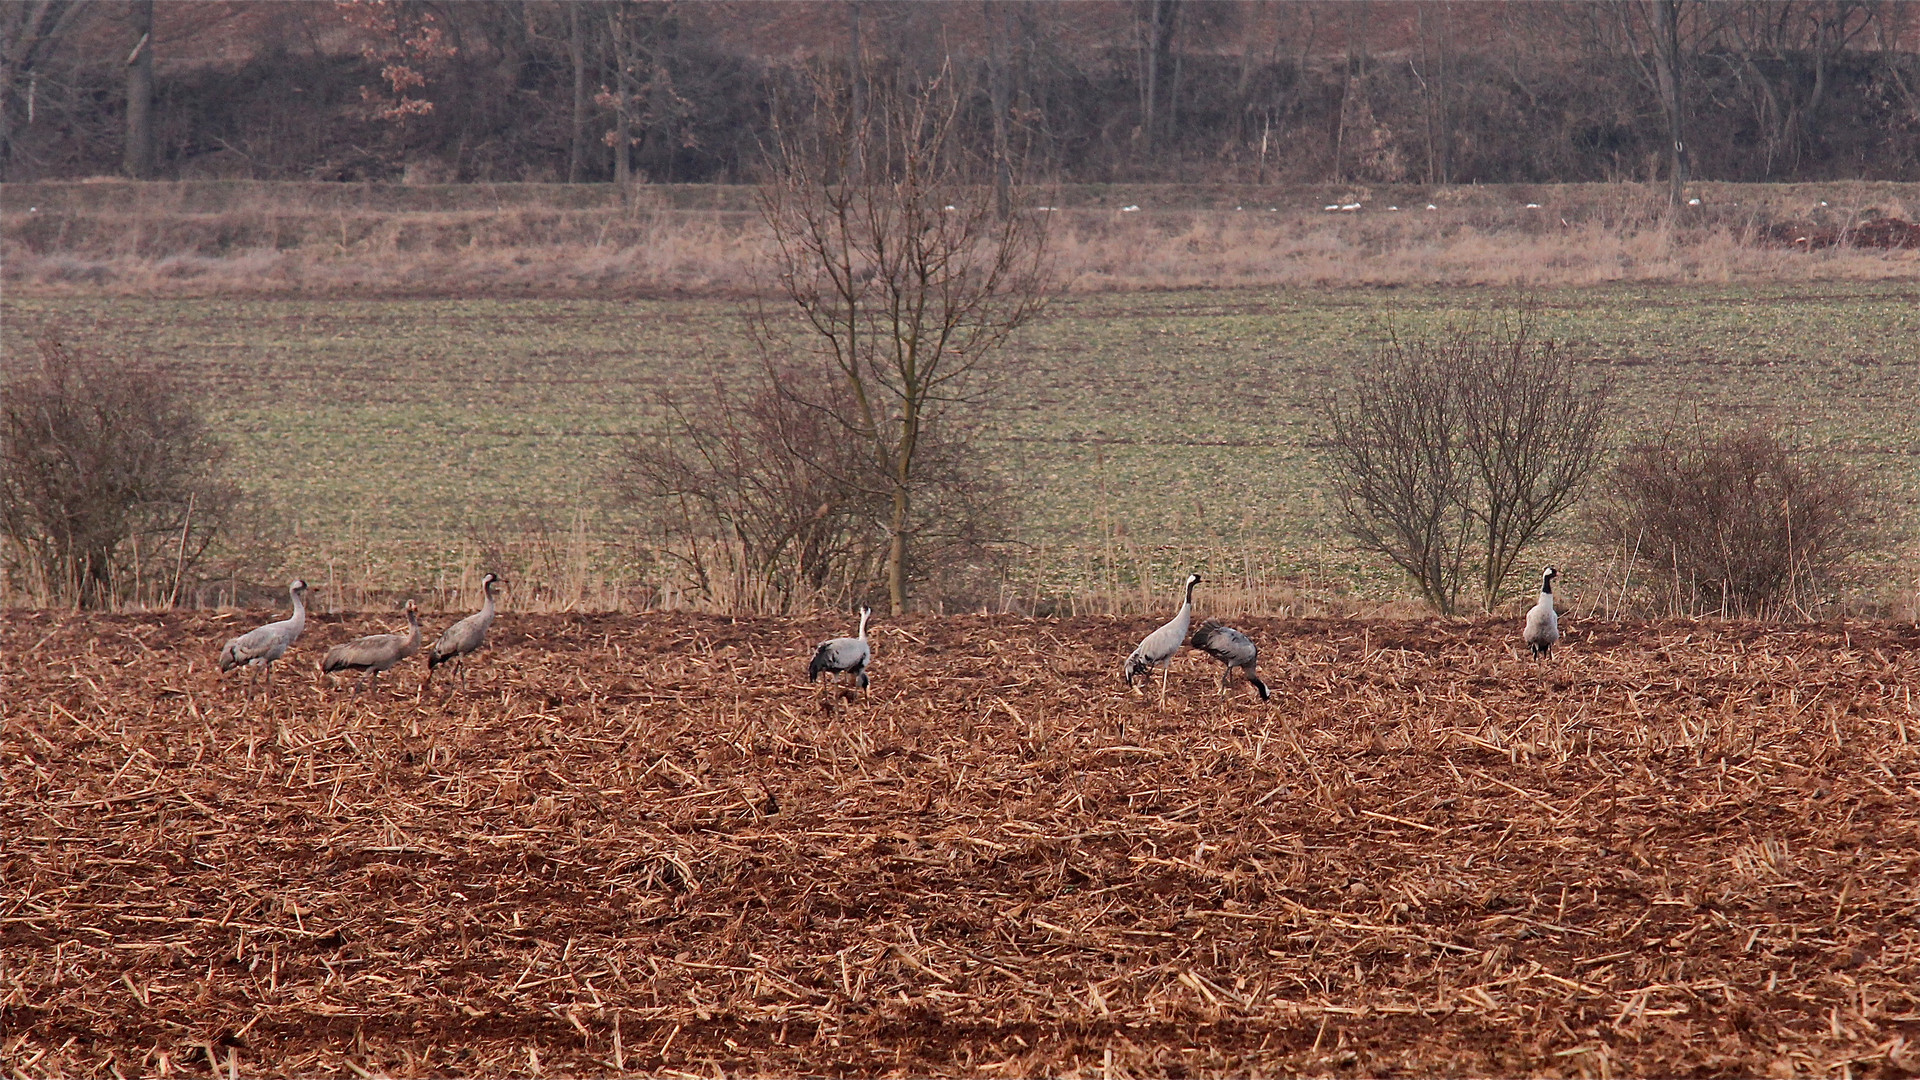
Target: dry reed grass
210,238
643,844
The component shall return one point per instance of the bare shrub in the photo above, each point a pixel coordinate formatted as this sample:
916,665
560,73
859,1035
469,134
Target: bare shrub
1452,455
761,503
1737,523
751,498
109,486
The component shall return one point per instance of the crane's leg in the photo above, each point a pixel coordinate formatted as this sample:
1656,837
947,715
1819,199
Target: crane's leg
1165,673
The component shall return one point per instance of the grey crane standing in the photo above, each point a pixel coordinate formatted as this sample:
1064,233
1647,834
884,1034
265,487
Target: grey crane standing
1543,625
464,636
1157,648
260,647
844,655
376,653
1232,648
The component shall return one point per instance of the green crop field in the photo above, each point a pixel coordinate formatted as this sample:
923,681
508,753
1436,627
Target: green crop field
398,440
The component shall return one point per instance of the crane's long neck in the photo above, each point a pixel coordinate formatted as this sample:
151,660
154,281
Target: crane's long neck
413,624
864,614
299,616
1546,586
486,607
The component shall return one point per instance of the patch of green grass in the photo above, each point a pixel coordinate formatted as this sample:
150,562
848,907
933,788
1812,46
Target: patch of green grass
1145,433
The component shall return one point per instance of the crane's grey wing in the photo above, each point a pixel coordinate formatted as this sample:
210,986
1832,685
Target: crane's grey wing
462,637
377,650
1225,644
839,655
267,642
1159,646
848,654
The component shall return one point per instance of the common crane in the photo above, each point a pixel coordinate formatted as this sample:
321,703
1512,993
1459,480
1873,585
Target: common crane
844,655
1543,626
376,653
464,636
260,647
1157,648
1232,648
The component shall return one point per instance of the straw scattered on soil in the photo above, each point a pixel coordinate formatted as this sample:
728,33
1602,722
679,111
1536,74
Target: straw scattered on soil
644,843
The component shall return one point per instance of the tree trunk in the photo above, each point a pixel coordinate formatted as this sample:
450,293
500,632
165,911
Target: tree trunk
1172,122
1346,97
577,51
1000,92
898,520
137,161
857,83
1160,18
897,553
1666,68
622,97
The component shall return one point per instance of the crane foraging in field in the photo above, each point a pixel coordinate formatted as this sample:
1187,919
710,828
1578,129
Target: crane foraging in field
1543,625
260,647
844,655
376,653
465,636
1232,648
1157,648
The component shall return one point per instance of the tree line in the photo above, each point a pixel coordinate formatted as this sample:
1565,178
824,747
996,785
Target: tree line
1142,91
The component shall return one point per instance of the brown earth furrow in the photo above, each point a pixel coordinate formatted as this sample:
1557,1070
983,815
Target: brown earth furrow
644,843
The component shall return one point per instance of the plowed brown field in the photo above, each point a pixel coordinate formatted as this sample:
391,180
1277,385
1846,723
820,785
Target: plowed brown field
644,843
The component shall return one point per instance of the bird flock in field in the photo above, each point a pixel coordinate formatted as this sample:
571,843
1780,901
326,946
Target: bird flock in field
257,649
849,657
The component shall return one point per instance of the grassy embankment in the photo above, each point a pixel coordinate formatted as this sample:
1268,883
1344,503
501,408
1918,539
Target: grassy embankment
422,380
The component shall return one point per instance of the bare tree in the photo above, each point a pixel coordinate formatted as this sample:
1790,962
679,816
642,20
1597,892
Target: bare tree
1453,455
1535,429
30,32
903,279
1774,43
1653,27
108,482
1399,470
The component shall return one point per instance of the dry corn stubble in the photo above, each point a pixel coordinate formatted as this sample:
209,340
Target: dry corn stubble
644,843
